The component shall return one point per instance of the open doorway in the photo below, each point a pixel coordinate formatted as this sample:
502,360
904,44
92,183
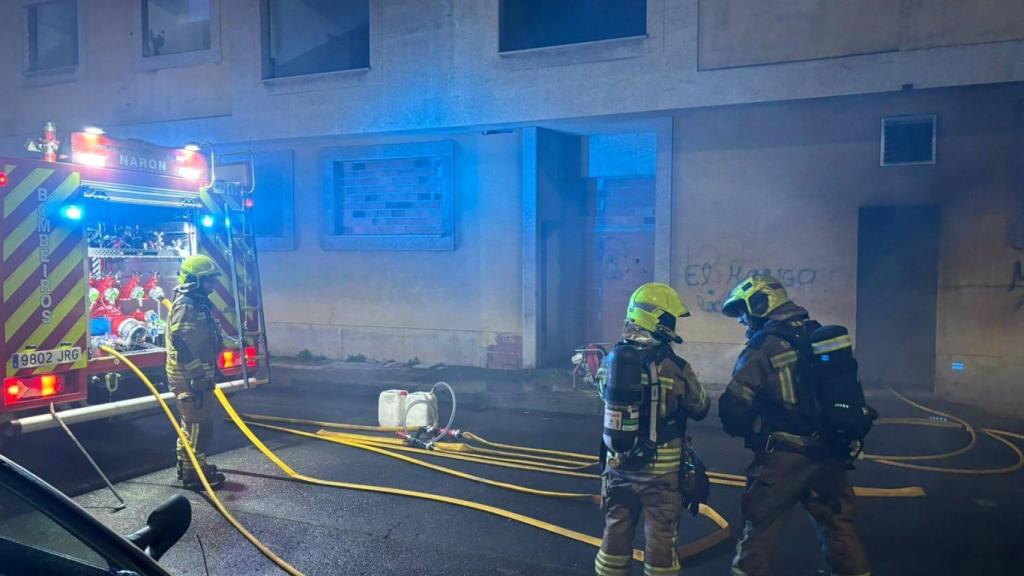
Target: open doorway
595,202
620,251
897,287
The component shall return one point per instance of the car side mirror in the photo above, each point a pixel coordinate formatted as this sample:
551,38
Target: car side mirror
164,527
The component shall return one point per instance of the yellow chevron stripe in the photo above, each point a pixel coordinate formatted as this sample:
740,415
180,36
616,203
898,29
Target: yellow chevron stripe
24,189
74,335
21,315
222,306
76,297
31,304
66,188
31,264
61,193
20,234
8,168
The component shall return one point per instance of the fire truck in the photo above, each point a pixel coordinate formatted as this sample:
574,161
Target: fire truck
93,234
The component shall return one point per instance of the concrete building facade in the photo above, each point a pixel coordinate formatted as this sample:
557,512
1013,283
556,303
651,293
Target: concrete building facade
729,137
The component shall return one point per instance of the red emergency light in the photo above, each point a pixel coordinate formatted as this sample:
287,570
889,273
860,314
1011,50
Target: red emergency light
230,360
19,390
3,179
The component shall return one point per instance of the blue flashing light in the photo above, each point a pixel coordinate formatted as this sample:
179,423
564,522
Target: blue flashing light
958,366
825,358
72,212
207,221
227,222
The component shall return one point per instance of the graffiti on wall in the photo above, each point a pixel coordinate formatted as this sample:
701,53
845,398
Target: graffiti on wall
713,275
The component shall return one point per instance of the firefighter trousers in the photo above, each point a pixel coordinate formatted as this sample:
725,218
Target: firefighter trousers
624,500
776,482
195,406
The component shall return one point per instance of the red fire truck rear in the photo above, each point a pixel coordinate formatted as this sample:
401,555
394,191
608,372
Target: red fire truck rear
93,234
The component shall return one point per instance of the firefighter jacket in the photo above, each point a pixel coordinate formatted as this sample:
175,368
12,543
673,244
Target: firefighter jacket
193,337
682,397
762,398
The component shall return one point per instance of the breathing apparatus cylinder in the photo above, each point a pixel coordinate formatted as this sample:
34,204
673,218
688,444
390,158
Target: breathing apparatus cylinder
846,416
623,394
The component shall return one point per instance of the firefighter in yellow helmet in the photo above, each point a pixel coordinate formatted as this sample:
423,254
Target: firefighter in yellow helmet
649,393
767,403
194,339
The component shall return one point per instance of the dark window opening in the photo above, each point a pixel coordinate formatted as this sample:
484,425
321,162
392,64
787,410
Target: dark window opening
314,36
175,26
52,35
525,24
908,140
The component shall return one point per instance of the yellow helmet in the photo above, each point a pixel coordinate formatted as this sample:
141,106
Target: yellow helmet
655,307
758,295
199,266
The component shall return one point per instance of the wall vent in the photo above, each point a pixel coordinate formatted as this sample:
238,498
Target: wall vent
908,140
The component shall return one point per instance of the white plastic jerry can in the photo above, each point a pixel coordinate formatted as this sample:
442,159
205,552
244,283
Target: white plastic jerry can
424,413
391,407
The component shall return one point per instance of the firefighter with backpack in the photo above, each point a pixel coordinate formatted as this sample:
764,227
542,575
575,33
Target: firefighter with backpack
193,341
648,466
796,400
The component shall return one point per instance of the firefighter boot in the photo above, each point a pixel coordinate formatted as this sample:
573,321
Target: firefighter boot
214,476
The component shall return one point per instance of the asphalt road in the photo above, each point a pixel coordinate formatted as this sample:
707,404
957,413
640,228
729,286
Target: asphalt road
966,524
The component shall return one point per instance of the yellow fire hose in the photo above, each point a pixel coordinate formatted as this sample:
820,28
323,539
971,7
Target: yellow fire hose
569,460
692,548
493,461
931,422
570,464
889,459
559,463
457,454
282,420
384,452
683,551
686,550
217,504
503,453
720,478
502,463
905,461
475,438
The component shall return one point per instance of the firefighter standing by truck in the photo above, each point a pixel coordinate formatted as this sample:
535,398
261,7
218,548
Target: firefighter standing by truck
193,341
649,392
772,403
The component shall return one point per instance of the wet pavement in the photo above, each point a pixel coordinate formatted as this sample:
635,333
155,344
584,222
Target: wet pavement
966,524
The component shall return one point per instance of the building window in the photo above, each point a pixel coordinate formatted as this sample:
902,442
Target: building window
175,26
52,36
525,24
397,197
314,36
908,140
